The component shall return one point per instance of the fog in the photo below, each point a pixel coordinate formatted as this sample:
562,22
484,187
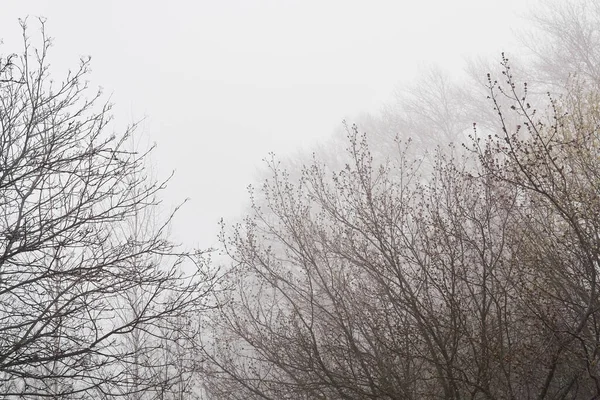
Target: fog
219,84
409,190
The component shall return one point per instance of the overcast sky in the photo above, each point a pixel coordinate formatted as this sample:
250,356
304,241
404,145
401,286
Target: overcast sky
221,83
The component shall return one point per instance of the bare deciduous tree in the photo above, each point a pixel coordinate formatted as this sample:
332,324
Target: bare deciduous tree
564,41
69,264
478,282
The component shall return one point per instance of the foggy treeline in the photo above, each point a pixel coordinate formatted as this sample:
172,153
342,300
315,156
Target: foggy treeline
446,248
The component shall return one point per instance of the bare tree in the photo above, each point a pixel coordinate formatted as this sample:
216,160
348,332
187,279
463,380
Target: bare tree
565,41
69,191
474,278
161,356
478,282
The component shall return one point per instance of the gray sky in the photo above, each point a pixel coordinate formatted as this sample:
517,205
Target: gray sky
221,83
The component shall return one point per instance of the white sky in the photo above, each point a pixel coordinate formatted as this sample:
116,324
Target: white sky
221,83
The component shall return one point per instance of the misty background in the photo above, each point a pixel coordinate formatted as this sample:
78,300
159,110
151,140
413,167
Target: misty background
408,195
219,84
